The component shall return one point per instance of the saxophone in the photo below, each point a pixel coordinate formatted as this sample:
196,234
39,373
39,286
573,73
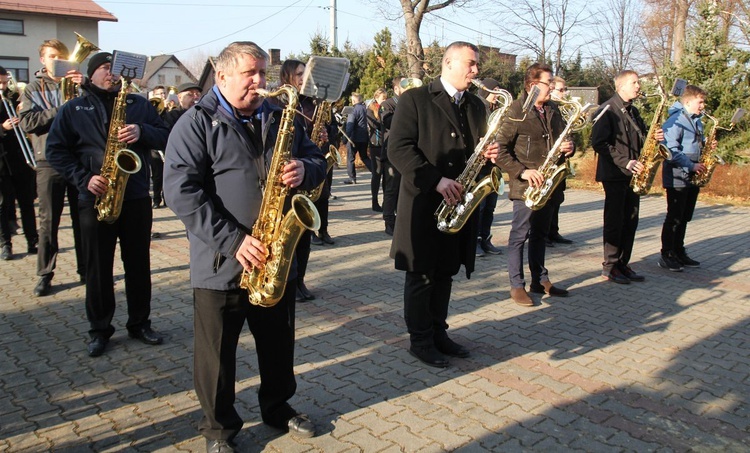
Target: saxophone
279,233
450,219
709,158
119,163
554,169
321,117
653,152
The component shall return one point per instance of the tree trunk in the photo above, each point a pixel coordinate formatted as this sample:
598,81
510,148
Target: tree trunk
678,40
414,49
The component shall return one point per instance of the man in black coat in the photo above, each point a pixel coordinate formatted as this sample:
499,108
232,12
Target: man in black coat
617,138
524,145
391,176
356,130
434,131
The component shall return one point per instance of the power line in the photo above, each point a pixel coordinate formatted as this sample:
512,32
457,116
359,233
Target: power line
238,31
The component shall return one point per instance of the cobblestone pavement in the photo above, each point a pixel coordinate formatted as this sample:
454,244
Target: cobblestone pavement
657,366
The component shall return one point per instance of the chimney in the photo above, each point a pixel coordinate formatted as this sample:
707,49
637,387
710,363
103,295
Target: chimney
275,56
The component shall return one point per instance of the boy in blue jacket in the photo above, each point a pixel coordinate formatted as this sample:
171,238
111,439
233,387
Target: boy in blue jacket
683,135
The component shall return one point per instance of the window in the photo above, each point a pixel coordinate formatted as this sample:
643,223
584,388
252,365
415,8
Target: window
18,66
160,77
11,27
177,80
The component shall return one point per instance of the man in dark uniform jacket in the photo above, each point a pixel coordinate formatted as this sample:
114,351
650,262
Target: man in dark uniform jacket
434,131
17,179
76,148
617,138
524,146
391,176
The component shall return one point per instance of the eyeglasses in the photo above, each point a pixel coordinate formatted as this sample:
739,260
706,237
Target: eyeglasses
561,90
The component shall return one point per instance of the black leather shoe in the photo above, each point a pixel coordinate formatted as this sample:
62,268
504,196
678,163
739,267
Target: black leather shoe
31,247
147,335
548,288
316,240
303,291
157,204
219,446
686,260
631,274
349,181
487,246
429,355
7,253
325,237
44,286
96,346
559,239
616,276
301,426
389,229
451,348
669,261
377,208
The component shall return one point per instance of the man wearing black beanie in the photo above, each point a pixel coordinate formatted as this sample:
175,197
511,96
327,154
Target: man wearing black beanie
76,147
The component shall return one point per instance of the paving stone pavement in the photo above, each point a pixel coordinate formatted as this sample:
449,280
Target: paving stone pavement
657,366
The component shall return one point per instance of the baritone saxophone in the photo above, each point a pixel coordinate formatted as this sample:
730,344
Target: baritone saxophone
279,232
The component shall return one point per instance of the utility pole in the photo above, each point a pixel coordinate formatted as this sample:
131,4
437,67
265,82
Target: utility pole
334,28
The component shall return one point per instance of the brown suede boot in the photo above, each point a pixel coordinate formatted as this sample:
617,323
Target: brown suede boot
521,297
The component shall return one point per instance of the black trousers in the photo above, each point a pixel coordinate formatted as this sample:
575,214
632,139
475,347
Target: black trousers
487,215
534,227
621,207
133,229
426,298
554,224
391,184
219,318
51,188
157,176
680,208
377,172
19,183
351,153
323,202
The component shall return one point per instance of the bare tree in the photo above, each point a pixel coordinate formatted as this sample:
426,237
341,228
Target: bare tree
528,27
414,12
566,19
619,35
680,29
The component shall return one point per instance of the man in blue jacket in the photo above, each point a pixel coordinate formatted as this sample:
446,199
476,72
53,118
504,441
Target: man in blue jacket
217,162
76,149
683,135
356,130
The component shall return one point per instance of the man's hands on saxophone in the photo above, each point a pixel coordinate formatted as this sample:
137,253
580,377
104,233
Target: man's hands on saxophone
637,167
252,252
451,190
535,177
129,133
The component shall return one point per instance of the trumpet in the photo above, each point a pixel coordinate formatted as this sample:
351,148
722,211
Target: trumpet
26,149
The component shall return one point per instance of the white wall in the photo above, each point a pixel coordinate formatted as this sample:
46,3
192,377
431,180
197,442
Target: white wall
39,28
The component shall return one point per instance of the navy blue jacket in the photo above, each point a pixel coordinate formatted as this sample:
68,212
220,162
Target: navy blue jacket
211,182
356,124
78,138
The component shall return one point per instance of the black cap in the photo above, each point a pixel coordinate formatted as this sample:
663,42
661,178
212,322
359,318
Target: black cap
98,60
189,86
490,84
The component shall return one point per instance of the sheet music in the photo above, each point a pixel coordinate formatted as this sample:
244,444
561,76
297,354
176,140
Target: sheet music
128,65
325,78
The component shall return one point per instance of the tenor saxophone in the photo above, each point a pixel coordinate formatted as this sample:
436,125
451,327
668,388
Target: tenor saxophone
119,163
451,218
321,117
279,232
653,152
708,157
554,169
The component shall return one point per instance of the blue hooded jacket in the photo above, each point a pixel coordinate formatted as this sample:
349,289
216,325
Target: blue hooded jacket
683,135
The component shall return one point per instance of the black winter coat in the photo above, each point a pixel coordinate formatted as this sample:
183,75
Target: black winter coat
616,140
425,144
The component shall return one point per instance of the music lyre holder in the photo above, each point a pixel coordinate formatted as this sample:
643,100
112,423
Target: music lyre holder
325,78
128,65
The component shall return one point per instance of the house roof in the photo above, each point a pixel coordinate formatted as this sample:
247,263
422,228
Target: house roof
155,63
86,9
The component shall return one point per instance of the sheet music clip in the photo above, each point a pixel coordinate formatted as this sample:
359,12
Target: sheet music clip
128,65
